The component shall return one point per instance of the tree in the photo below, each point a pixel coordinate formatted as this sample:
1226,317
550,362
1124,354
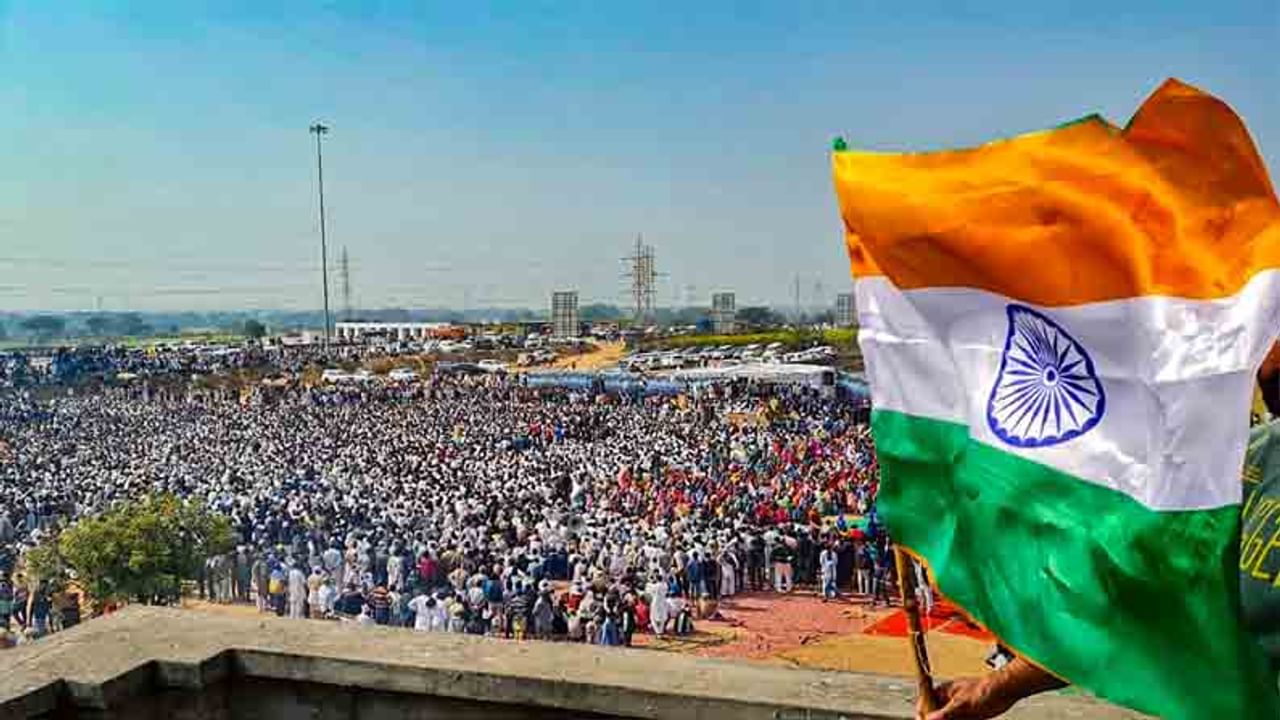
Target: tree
98,325
44,565
254,330
826,317
44,326
756,317
131,325
689,315
599,312
142,550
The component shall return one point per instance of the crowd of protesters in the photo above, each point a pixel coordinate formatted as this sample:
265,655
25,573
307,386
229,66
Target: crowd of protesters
71,365
466,504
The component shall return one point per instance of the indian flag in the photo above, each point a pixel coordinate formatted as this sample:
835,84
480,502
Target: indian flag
1061,332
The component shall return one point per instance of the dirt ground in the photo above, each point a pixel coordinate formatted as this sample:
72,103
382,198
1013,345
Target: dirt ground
606,355
242,610
802,631
797,630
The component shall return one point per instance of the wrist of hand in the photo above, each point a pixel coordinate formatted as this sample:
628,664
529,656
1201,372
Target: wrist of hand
997,687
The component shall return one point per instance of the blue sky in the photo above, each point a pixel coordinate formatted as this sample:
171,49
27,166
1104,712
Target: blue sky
157,157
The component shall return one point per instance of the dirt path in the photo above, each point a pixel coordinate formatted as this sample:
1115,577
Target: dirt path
802,631
606,355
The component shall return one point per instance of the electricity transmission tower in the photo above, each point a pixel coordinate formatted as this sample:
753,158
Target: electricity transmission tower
346,285
643,274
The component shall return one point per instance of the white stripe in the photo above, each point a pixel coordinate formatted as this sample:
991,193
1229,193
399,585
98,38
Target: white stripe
1178,376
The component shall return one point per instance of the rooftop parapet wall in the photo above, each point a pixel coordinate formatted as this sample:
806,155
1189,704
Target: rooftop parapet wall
174,664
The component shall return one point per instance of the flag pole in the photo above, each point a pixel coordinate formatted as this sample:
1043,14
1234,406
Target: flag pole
915,630
906,588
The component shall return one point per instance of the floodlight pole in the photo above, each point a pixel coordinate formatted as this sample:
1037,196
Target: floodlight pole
318,130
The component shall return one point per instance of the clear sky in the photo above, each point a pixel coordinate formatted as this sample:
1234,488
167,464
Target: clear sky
157,156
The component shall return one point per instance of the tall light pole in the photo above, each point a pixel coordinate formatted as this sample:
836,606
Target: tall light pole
318,130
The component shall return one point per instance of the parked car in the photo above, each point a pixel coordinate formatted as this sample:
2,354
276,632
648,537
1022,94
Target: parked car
403,374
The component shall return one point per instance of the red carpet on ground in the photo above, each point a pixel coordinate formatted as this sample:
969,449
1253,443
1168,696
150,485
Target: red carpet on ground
945,617
895,624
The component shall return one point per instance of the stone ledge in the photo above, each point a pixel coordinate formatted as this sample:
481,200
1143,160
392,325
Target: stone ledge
140,650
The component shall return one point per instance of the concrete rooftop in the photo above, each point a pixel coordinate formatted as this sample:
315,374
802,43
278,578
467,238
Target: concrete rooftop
107,663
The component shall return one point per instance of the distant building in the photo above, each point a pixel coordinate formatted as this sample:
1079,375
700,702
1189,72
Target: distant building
356,332
564,314
301,339
846,310
724,312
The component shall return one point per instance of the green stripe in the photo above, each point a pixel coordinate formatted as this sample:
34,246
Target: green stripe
1140,607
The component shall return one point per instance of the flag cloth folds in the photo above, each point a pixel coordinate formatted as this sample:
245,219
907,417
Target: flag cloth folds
1061,332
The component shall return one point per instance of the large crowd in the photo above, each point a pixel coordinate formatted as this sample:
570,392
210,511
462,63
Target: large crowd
465,504
73,365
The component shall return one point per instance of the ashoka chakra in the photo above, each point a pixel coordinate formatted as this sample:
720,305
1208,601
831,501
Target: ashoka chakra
1046,391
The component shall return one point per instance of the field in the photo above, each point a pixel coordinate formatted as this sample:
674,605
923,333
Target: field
135,342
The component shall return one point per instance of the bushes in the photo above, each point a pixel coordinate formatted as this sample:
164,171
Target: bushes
140,551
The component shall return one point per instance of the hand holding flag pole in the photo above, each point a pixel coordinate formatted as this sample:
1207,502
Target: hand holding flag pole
915,630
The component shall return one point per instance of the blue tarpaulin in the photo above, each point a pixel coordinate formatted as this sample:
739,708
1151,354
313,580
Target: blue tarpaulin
855,386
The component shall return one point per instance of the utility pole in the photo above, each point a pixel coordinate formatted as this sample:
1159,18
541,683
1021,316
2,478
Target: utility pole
346,285
319,130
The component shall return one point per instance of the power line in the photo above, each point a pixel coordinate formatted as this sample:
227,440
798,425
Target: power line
185,265
91,291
